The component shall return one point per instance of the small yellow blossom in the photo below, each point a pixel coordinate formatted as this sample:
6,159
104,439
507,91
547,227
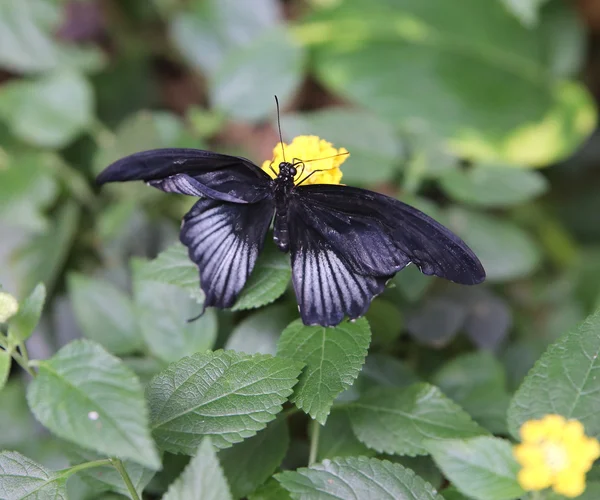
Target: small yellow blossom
555,452
8,306
317,153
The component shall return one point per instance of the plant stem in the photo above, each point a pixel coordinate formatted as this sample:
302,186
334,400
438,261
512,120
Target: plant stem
24,364
126,479
314,442
86,465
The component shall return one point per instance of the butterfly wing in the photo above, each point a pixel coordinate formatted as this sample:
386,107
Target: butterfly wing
192,172
380,235
326,285
224,240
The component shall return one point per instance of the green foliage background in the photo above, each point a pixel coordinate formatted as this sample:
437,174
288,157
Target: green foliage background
475,112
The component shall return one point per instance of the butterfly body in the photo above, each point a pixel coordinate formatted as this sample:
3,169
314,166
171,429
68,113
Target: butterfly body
345,242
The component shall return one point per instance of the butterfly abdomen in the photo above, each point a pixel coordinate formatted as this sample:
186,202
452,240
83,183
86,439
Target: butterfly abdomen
281,235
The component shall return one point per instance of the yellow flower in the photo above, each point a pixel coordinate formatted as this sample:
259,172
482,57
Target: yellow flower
555,452
8,306
318,156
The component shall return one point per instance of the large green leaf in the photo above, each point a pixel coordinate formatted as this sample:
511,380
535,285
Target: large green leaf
21,478
268,280
448,60
105,314
271,490
85,395
22,324
227,395
163,312
565,380
374,147
482,468
493,185
333,358
26,42
259,332
242,469
239,86
50,111
27,186
477,382
397,421
505,250
202,478
356,477
337,439
221,25
41,259
174,267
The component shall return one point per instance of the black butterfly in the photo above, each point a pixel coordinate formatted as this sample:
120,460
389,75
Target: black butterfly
345,242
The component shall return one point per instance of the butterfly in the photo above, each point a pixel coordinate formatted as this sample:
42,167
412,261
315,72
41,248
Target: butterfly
345,243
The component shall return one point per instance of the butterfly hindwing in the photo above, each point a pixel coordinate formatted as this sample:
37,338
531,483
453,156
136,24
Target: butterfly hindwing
224,240
193,172
326,285
380,235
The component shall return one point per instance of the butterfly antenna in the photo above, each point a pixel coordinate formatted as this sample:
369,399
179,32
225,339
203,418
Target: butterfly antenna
326,158
279,128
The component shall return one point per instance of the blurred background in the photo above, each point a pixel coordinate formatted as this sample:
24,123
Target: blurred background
482,114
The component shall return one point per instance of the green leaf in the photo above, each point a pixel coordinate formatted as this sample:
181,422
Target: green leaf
493,185
174,267
15,415
85,395
446,70
202,478
525,11
22,324
21,478
239,86
397,421
28,44
337,439
333,358
27,186
163,312
271,490
105,314
564,381
225,394
5,361
385,320
356,477
221,25
477,382
381,370
482,468
505,250
268,280
50,111
259,332
373,144
106,477
41,259
242,469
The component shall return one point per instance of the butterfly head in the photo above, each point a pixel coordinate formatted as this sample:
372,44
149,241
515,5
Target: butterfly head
287,171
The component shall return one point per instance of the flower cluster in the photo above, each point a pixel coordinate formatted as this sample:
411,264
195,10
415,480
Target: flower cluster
319,156
8,306
555,452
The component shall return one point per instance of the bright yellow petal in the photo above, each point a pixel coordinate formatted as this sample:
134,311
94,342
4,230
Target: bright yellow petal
554,426
529,455
569,484
534,478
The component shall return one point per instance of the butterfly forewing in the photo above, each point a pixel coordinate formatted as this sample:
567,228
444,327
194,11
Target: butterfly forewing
224,240
193,172
379,235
